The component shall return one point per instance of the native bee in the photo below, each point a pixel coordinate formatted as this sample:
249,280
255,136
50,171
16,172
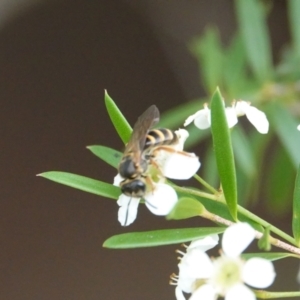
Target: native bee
139,152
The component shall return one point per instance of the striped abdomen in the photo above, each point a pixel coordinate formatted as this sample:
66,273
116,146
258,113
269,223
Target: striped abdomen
159,137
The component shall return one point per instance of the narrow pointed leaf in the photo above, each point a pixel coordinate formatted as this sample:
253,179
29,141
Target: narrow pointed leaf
121,125
243,152
110,156
224,152
83,183
296,209
253,27
186,208
264,242
159,237
280,182
294,12
234,70
286,128
209,53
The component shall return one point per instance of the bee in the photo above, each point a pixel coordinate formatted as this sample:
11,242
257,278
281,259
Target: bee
139,152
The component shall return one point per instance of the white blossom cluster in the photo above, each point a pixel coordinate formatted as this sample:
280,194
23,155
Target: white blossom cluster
228,275
239,108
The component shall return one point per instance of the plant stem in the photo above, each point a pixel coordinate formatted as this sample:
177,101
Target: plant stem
273,295
204,183
220,198
275,242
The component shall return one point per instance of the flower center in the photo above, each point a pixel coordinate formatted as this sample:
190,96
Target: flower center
228,272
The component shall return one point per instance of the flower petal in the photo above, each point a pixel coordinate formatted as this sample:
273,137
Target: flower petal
185,283
206,292
162,200
118,179
258,272
177,165
179,294
231,116
128,209
191,118
236,239
298,127
205,243
182,135
195,264
241,107
258,119
238,292
202,121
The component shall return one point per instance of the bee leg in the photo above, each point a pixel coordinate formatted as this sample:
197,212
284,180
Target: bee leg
149,182
169,149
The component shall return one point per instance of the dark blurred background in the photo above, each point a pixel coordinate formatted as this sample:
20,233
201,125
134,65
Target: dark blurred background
56,59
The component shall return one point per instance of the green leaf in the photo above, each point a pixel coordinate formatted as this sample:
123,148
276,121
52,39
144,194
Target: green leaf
235,67
216,207
83,183
296,209
280,182
209,169
121,125
110,156
242,150
264,241
224,152
269,256
159,237
208,51
252,24
186,208
293,13
286,128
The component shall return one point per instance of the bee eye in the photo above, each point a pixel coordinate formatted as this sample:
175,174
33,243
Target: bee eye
128,168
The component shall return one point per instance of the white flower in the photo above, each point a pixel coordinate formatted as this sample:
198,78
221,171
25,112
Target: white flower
189,267
202,118
160,198
254,115
224,276
160,202
298,127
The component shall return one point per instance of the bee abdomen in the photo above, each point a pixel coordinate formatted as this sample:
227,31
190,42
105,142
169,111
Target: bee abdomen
158,137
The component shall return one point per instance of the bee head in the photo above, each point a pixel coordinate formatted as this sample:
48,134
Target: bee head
133,188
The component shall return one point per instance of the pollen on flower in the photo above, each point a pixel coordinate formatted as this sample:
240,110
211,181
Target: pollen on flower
228,272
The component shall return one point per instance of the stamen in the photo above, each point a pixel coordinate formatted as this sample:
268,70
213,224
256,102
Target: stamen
174,279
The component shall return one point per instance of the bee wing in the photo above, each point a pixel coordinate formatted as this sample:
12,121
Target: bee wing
140,129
